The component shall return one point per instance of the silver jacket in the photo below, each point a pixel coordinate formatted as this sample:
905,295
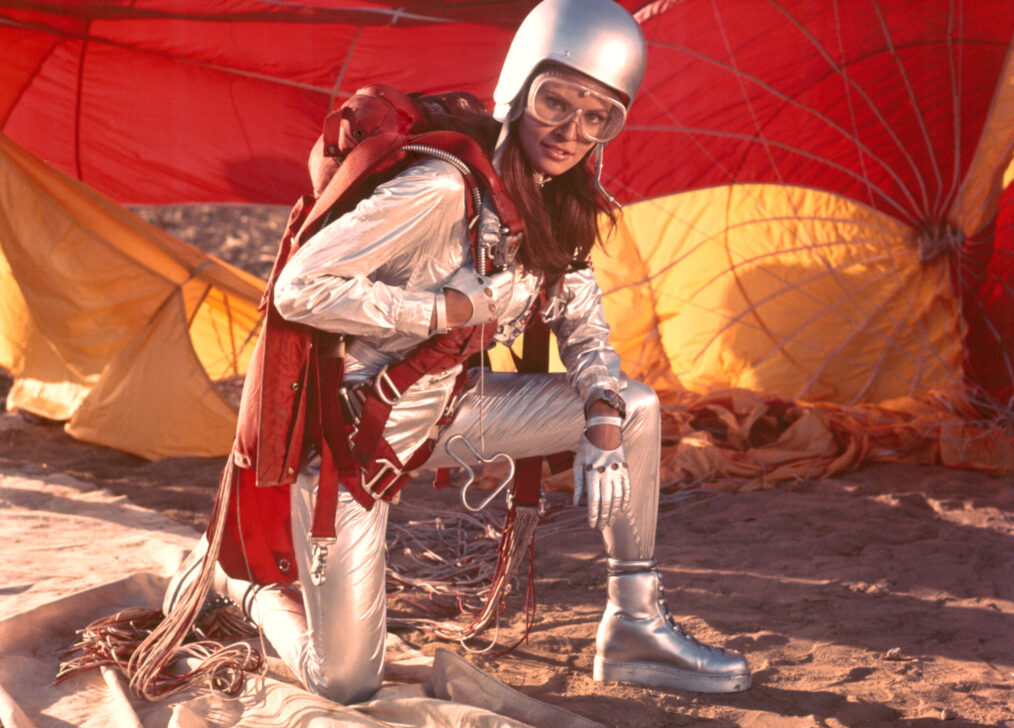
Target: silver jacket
377,272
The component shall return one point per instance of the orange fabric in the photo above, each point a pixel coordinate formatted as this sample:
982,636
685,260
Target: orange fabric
110,323
795,292
741,440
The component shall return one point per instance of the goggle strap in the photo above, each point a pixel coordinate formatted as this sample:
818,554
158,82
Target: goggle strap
501,142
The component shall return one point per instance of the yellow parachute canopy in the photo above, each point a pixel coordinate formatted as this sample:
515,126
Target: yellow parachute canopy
113,325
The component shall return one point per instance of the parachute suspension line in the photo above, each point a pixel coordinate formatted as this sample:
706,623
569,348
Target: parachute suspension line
336,89
850,85
852,114
482,395
931,240
954,66
807,240
843,66
246,611
720,165
839,66
758,127
690,134
913,99
231,325
148,669
145,645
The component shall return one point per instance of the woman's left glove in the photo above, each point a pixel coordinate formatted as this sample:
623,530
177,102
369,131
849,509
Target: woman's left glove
604,473
488,294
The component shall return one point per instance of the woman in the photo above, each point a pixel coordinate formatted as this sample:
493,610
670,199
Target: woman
398,269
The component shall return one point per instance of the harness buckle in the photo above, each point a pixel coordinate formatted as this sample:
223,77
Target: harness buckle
383,380
541,507
387,469
352,398
318,556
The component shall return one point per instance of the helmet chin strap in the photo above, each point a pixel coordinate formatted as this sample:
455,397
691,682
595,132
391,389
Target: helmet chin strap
599,153
501,141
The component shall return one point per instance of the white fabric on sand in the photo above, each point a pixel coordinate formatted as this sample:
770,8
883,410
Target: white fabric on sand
74,553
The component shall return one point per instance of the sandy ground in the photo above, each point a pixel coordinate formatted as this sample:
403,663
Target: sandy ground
883,597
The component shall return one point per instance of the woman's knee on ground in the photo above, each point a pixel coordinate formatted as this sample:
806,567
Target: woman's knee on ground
340,680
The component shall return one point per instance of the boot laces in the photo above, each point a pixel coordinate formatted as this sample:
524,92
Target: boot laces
663,605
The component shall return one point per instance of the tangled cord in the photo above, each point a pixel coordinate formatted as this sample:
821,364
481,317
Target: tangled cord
113,641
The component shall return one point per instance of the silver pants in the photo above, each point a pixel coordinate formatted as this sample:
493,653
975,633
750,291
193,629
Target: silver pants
338,649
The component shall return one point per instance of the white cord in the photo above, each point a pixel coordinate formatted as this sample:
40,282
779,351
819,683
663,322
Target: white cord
482,392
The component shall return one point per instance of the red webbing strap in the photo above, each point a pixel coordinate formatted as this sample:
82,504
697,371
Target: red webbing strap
534,358
361,163
334,456
437,354
375,151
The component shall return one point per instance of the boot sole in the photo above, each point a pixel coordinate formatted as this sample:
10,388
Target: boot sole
663,676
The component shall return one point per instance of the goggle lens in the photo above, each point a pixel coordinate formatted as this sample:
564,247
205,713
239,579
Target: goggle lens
555,101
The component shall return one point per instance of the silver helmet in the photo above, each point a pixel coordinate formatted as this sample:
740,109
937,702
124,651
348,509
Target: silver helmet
596,37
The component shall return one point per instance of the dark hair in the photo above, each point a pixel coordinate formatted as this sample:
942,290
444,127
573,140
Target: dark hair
561,218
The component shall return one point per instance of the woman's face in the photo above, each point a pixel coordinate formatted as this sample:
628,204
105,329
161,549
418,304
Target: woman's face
554,149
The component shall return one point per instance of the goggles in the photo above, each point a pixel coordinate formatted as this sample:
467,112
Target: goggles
555,101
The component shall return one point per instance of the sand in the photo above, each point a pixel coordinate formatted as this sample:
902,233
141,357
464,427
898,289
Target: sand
881,597
884,597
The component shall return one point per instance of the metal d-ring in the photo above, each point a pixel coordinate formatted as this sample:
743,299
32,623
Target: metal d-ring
471,473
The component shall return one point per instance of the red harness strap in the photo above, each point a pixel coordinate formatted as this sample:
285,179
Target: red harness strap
436,355
354,455
370,469
534,358
373,159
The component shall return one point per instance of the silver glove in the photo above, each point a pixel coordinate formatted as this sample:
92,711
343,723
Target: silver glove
604,473
488,294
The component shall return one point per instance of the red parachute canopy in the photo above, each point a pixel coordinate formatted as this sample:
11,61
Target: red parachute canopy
168,101
896,106
893,107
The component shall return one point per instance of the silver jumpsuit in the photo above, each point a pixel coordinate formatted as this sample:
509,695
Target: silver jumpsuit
375,274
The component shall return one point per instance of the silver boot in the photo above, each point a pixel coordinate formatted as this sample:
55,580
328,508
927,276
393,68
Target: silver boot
639,642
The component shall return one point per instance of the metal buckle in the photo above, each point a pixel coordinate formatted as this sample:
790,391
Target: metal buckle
471,473
541,507
318,556
352,398
383,379
387,467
